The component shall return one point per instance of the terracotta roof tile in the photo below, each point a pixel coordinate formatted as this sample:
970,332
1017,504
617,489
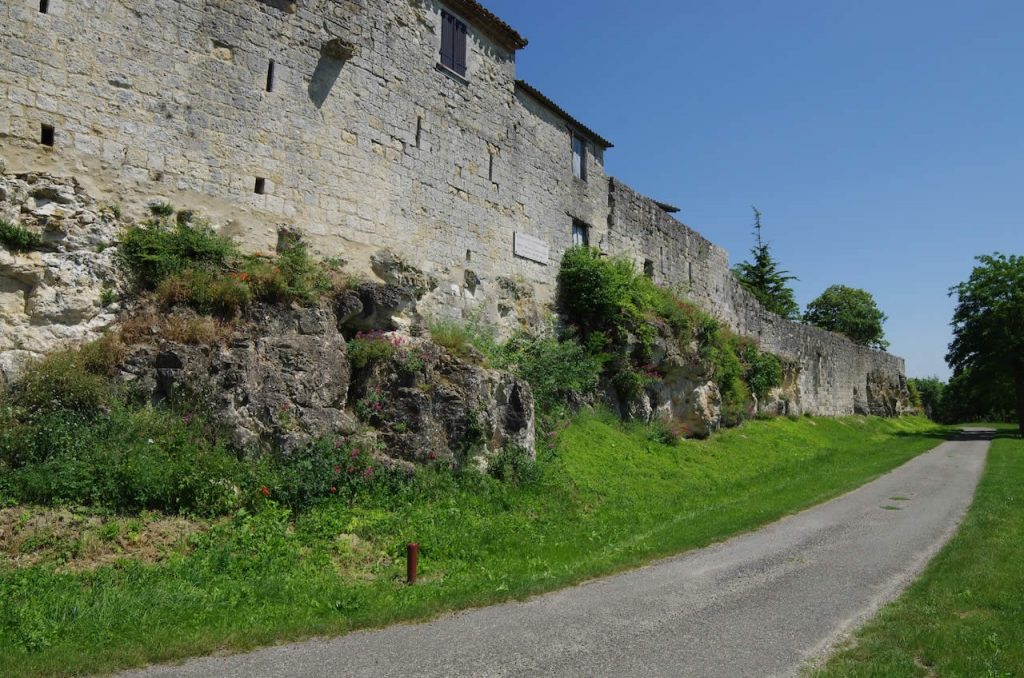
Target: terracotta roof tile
488,22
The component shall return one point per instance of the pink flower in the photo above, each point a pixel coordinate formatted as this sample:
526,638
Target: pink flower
432,455
333,490
353,454
337,470
351,469
264,490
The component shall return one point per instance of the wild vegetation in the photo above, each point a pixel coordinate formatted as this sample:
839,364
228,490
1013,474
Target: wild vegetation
17,238
311,542
617,312
184,262
603,496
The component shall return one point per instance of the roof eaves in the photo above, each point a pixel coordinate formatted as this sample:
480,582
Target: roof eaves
488,22
573,122
666,207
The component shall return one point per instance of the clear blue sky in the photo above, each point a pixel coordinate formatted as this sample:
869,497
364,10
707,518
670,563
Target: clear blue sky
882,140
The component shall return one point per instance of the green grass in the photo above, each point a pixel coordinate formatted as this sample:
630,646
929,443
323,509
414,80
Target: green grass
609,498
965,615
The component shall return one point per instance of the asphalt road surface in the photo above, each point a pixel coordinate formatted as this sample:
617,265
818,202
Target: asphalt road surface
761,604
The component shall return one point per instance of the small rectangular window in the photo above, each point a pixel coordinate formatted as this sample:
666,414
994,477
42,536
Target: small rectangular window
270,76
648,268
47,135
453,43
580,234
579,157
261,186
44,6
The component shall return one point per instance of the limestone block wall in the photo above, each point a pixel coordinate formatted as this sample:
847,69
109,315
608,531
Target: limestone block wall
380,149
837,376
364,143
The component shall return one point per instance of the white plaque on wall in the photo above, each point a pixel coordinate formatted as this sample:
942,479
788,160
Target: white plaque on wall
531,248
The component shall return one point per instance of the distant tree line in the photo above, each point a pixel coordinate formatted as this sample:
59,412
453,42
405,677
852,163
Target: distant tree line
846,310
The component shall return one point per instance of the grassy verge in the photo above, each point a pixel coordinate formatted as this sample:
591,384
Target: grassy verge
965,615
609,498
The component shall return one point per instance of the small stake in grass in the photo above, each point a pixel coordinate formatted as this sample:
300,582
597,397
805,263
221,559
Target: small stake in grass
412,553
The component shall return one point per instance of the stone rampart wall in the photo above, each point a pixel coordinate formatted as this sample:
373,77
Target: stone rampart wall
837,376
363,142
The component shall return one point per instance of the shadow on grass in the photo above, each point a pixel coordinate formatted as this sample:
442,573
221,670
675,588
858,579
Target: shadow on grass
958,434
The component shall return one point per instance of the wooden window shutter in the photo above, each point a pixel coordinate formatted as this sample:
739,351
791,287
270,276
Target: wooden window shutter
447,40
459,47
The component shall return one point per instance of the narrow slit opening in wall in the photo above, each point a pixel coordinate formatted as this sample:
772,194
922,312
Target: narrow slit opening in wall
469,256
261,186
47,135
270,75
44,6
490,167
419,129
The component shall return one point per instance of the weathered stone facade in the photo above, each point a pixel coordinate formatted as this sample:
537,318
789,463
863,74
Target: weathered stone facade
335,116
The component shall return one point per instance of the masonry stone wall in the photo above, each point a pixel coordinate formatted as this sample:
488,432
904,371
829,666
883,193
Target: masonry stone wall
364,142
837,376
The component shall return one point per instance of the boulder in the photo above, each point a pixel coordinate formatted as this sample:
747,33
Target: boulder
282,379
428,405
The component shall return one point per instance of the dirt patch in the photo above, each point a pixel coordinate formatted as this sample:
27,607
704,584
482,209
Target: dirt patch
78,540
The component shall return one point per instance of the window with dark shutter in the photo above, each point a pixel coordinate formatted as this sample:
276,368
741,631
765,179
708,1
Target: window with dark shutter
453,43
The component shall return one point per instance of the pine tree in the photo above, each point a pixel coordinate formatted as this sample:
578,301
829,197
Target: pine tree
764,279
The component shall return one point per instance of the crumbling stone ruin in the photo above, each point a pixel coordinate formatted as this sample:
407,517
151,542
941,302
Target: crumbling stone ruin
370,125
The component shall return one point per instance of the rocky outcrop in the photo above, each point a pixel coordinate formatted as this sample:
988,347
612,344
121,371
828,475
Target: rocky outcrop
428,404
282,378
55,295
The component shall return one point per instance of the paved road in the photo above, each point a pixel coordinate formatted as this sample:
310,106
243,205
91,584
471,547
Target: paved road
757,605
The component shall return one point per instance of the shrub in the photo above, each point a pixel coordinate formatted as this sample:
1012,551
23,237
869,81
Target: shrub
762,371
156,251
451,335
514,465
102,357
60,381
367,348
557,371
207,292
17,238
162,209
595,293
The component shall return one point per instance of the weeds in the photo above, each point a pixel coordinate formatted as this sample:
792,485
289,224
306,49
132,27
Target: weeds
17,238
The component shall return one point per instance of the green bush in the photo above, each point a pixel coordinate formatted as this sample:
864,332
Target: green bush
451,335
616,310
557,371
206,292
514,465
17,238
156,251
60,381
369,347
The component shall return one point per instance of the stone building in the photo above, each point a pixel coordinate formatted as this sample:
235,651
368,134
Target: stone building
369,124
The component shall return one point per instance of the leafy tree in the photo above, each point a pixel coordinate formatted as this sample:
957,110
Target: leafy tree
764,279
988,324
929,391
851,312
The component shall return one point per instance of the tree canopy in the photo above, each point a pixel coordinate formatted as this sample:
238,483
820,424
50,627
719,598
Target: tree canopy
764,279
851,312
988,324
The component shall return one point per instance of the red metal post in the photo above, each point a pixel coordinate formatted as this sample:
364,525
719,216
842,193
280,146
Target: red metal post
412,555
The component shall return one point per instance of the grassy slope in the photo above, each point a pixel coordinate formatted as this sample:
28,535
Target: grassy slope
965,615
610,499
